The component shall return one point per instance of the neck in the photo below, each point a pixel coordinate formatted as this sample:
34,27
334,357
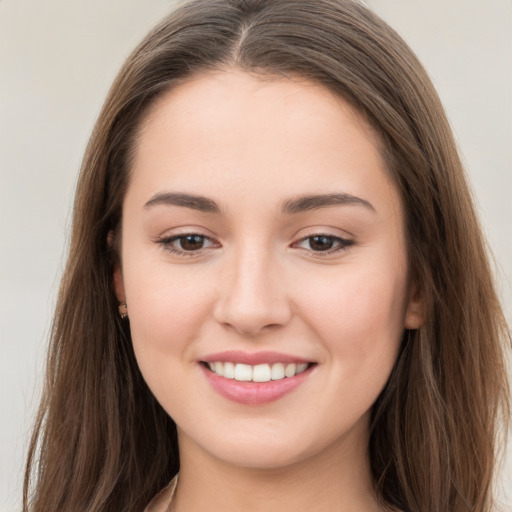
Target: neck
338,478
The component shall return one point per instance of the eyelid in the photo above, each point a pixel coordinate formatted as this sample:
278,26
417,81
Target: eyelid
343,244
167,243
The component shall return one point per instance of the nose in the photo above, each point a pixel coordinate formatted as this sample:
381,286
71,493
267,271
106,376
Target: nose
252,295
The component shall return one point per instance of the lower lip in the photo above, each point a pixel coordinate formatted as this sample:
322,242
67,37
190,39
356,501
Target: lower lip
255,393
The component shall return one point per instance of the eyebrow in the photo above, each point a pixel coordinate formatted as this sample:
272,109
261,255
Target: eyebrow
290,207
201,203
314,202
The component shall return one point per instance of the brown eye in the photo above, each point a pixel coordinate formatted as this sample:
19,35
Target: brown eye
324,244
191,242
321,243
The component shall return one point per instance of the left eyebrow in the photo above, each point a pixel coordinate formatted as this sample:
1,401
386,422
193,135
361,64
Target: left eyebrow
314,202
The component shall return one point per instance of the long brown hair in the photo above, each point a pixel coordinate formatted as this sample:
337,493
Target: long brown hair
103,443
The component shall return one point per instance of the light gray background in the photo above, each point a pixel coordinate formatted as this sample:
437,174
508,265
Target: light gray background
57,60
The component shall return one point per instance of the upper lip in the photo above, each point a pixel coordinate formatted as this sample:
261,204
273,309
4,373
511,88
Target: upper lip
253,358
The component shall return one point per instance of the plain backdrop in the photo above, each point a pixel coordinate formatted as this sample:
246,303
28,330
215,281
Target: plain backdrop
57,60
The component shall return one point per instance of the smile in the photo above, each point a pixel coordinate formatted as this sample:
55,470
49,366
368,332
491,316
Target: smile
257,373
255,379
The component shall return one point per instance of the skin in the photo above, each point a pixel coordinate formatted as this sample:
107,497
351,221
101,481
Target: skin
259,283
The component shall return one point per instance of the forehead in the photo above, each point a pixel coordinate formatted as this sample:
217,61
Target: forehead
232,131
234,96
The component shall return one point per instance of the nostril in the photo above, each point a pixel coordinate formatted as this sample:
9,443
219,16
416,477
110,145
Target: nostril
252,304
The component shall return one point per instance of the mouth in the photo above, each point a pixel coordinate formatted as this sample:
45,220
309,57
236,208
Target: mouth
256,373
255,379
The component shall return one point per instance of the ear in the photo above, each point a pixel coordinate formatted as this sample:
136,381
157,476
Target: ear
118,284
415,313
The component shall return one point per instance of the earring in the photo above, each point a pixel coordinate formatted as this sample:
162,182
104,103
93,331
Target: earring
123,310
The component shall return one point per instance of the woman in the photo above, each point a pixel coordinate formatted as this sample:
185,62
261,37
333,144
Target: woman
273,202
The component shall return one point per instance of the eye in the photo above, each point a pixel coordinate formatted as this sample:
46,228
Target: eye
324,243
191,242
187,244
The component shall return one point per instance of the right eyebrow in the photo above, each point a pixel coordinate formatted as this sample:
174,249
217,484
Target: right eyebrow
201,203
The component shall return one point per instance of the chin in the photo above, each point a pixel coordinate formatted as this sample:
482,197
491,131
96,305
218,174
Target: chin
263,448
261,457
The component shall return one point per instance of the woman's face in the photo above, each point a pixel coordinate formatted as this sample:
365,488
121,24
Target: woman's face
264,268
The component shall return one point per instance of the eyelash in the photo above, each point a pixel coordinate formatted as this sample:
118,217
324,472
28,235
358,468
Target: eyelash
342,244
168,241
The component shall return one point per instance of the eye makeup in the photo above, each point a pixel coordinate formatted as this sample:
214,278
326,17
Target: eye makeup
195,244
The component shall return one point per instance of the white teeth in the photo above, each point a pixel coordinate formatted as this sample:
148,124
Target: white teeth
257,373
290,370
277,371
261,373
301,367
229,370
243,372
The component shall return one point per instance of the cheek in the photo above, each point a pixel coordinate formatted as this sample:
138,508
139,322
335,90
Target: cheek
167,315
167,309
359,317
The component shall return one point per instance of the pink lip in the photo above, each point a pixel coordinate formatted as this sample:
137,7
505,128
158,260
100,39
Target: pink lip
254,393
236,356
